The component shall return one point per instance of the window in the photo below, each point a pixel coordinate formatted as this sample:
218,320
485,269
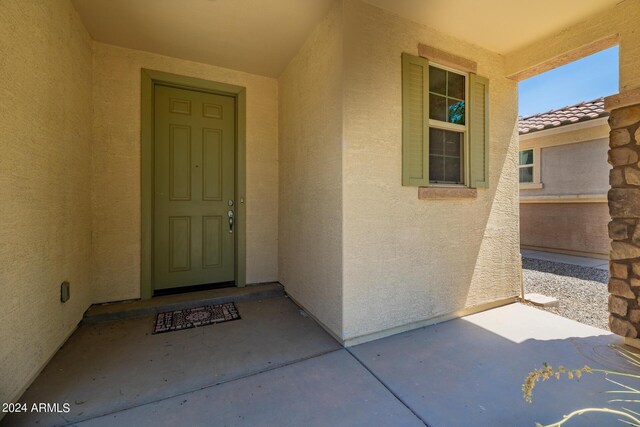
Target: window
445,156
526,166
529,169
445,126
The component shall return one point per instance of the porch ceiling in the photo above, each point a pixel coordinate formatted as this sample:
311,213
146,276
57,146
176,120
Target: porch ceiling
261,37
249,35
502,26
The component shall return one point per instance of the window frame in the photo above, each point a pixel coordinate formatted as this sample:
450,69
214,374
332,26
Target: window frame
454,127
415,124
535,184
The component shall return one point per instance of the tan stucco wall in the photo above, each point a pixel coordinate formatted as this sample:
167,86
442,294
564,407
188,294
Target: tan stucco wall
408,260
622,19
310,227
573,168
45,219
579,228
579,168
116,166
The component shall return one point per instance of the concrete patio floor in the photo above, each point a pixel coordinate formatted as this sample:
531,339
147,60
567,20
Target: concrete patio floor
278,367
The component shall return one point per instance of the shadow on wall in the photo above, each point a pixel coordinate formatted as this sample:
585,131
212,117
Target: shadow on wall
494,225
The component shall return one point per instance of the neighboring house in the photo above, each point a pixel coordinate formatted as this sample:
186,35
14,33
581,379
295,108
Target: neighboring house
564,180
365,151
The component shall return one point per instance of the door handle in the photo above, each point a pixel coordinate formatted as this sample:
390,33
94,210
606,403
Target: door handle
230,215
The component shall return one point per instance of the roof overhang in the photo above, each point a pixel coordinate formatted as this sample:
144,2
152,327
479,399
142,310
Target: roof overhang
565,128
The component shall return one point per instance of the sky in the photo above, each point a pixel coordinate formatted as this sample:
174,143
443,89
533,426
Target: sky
583,80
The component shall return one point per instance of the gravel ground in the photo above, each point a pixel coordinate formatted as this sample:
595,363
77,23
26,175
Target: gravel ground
581,291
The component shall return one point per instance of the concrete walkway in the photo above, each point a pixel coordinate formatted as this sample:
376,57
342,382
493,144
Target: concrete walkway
277,367
601,264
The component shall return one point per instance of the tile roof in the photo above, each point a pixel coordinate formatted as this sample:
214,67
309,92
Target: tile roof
581,112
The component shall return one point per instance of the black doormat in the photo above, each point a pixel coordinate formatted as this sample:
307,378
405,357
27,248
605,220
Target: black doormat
194,317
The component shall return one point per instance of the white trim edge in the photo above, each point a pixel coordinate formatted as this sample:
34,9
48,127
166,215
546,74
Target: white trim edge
566,198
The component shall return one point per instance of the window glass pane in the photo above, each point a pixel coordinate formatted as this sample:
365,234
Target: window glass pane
526,174
452,169
437,107
447,94
436,141
437,80
452,143
436,168
456,111
446,156
526,157
455,85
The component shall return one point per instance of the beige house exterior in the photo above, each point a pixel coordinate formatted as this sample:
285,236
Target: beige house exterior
563,194
327,215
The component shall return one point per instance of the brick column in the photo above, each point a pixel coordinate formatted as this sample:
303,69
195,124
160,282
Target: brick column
624,207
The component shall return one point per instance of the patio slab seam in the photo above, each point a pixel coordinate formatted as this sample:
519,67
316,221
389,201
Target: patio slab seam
184,393
415,414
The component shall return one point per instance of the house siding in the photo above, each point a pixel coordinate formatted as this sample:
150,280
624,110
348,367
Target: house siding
574,228
407,260
579,168
573,171
45,184
310,226
116,167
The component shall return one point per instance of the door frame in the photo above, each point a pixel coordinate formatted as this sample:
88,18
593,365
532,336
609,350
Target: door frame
150,78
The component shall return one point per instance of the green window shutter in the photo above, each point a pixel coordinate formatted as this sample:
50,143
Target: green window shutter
415,122
479,131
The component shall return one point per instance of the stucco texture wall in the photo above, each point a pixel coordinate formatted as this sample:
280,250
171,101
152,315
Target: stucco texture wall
622,20
45,204
310,227
577,228
580,168
573,163
408,260
116,166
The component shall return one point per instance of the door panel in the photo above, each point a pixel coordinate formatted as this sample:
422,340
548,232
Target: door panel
179,243
212,241
180,162
194,182
212,164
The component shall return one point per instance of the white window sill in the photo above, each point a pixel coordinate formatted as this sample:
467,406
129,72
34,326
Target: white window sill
531,185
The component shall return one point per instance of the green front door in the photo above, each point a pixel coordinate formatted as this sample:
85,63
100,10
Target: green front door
194,188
